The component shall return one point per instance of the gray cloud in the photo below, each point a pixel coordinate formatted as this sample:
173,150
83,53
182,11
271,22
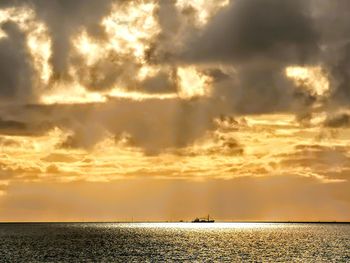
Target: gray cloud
257,89
107,72
332,20
163,82
16,70
20,128
12,126
256,39
153,125
332,162
338,121
249,30
64,19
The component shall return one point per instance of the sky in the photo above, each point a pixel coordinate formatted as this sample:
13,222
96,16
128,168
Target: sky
152,110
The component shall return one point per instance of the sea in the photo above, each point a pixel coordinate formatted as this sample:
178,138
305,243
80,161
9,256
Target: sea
174,242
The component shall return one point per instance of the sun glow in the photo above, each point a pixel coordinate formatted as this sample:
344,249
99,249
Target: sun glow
134,95
91,50
77,94
313,79
74,94
130,27
219,225
193,83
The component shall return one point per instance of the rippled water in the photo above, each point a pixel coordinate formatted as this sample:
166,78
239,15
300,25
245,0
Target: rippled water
219,242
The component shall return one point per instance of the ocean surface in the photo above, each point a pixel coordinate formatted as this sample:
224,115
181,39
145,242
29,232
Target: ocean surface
174,242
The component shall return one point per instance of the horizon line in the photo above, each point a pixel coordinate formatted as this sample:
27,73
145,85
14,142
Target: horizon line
180,221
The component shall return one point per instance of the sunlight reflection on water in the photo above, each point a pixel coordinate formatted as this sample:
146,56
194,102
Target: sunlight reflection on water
204,225
174,242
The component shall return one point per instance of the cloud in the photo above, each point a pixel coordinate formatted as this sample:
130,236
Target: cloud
244,49
153,125
250,30
64,19
163,82
338,121
23,121
332,22
59,158
12,127
258,48
258,40
329,162
16,70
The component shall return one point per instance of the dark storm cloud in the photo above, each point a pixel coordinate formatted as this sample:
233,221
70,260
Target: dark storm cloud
333,22
259,39
16,70
281,31
255,89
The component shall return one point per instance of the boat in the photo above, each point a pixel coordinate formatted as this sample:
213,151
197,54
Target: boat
203,220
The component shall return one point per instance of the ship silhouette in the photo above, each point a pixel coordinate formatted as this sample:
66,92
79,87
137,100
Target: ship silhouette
203,220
